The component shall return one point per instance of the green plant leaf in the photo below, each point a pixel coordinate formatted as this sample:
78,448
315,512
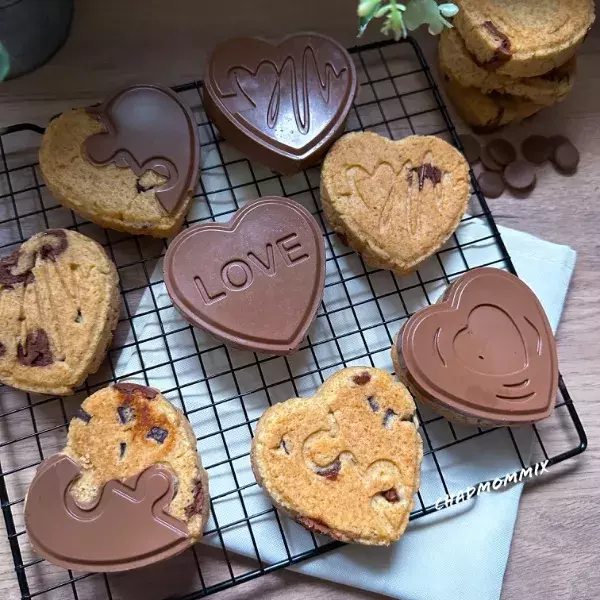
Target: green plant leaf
366,12
4,62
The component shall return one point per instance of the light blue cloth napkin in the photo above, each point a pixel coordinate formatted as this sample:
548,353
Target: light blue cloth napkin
460,552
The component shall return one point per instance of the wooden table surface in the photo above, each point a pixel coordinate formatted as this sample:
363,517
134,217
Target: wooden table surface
556,547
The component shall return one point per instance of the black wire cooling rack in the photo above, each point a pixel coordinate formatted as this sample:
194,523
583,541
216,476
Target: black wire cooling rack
224,391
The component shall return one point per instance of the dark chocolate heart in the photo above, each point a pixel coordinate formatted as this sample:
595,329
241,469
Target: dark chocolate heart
282,104
486,351
255,282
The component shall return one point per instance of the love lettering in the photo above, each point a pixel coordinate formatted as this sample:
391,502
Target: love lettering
238,274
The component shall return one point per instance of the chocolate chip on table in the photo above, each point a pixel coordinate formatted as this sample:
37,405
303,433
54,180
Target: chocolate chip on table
520,175
158,434
536,149
391,495
491,184
373,404
472,148
126,413
566,157
362,378
84,416
330,471
488,162
557,140
501,151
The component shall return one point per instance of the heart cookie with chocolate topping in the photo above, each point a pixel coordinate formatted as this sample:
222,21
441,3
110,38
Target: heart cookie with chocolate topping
346,462
394,202
59,305
129,164
128,490
484,354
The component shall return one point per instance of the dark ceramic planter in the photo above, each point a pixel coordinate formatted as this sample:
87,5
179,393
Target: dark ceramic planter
31,31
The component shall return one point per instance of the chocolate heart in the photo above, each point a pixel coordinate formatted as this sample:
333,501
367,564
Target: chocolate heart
149,127
255,282
486,351
126,527
282,104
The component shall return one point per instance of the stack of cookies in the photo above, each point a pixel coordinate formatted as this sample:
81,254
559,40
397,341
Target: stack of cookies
505,61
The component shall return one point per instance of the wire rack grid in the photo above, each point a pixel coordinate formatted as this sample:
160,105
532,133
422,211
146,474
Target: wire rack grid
223,391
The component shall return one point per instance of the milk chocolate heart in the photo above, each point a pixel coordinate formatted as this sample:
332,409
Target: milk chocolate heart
284,104
126,527
255,282
486,351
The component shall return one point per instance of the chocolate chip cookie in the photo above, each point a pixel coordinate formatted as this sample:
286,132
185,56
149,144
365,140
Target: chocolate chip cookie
129,452
523,39
130,164
59,305
394,202
346,462
546,89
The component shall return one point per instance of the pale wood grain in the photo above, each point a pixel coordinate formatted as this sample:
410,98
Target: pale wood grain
556,548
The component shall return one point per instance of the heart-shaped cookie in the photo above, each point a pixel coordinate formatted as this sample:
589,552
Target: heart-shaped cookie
129,164
254,282
485,353
59,305
345,462
395,202
281,104
128,489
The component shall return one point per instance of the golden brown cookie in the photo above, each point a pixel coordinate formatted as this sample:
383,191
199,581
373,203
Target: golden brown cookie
129,487
346,462
59,305
395,202
485,113
130,164
546,89
521,38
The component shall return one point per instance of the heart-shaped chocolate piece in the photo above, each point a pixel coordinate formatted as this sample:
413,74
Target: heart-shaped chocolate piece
254,282
284,104
486,351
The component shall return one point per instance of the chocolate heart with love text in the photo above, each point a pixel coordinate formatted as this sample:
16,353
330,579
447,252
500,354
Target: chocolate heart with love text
256,281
